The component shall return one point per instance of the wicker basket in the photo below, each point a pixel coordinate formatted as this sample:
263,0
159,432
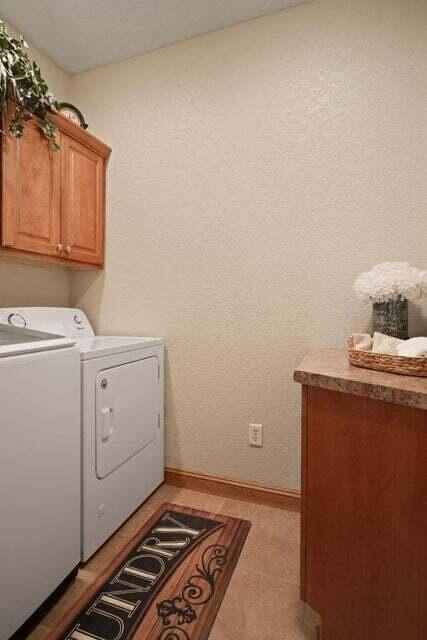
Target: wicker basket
383,362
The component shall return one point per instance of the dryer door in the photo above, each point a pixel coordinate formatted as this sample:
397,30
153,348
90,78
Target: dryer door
127,412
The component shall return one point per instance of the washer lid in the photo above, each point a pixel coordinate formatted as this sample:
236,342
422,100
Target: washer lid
98,346
16,340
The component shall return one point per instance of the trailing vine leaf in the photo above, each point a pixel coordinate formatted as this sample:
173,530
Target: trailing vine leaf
21,79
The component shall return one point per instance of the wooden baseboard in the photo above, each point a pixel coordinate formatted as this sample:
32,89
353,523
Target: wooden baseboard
267,496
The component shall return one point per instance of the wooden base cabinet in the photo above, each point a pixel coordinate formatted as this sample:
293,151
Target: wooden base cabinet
364,516
53,202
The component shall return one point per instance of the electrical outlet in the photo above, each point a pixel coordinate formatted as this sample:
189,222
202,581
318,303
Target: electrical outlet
255,435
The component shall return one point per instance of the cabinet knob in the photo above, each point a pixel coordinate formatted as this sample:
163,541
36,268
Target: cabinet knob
68,249
59,247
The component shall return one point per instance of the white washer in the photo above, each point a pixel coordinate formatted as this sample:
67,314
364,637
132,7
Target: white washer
122,419
40,485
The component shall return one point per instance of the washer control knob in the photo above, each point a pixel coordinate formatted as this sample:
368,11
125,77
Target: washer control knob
77,319
16,320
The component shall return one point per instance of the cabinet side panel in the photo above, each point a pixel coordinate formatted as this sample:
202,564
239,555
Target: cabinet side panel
304,469
366,517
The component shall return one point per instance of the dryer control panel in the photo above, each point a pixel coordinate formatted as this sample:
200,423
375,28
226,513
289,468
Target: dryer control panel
71,323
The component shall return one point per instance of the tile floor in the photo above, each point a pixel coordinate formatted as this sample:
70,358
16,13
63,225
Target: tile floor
262,599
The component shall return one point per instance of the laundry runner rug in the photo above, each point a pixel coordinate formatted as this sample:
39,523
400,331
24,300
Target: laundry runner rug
167,584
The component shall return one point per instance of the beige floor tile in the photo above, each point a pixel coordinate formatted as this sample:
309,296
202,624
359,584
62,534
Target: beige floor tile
272,547
288,522
196,500
258,607
167,493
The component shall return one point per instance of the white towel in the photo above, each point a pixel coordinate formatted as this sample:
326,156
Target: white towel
413,348
385,344
362,342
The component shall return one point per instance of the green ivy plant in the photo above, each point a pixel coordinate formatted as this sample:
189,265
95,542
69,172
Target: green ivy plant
21,79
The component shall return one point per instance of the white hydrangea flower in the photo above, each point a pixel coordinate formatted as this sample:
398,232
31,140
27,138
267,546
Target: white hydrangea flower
390,281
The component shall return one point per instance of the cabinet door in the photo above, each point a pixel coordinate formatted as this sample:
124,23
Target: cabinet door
82,207
30,193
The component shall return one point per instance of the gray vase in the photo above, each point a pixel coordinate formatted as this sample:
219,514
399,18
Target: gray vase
391,318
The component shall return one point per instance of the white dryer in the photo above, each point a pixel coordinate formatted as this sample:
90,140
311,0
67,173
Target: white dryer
122,419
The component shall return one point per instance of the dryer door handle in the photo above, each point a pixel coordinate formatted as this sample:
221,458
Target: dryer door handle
107,423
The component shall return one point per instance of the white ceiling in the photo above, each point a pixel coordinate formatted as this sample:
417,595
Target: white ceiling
82,34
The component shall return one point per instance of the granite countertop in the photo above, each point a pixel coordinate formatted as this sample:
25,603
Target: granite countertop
329,369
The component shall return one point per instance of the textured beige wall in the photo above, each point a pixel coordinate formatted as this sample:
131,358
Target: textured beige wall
255,172
22,285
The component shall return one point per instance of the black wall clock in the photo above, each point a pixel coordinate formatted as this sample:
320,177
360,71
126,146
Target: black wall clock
71,112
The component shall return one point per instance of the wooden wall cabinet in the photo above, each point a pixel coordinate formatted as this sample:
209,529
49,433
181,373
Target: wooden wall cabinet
53,202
